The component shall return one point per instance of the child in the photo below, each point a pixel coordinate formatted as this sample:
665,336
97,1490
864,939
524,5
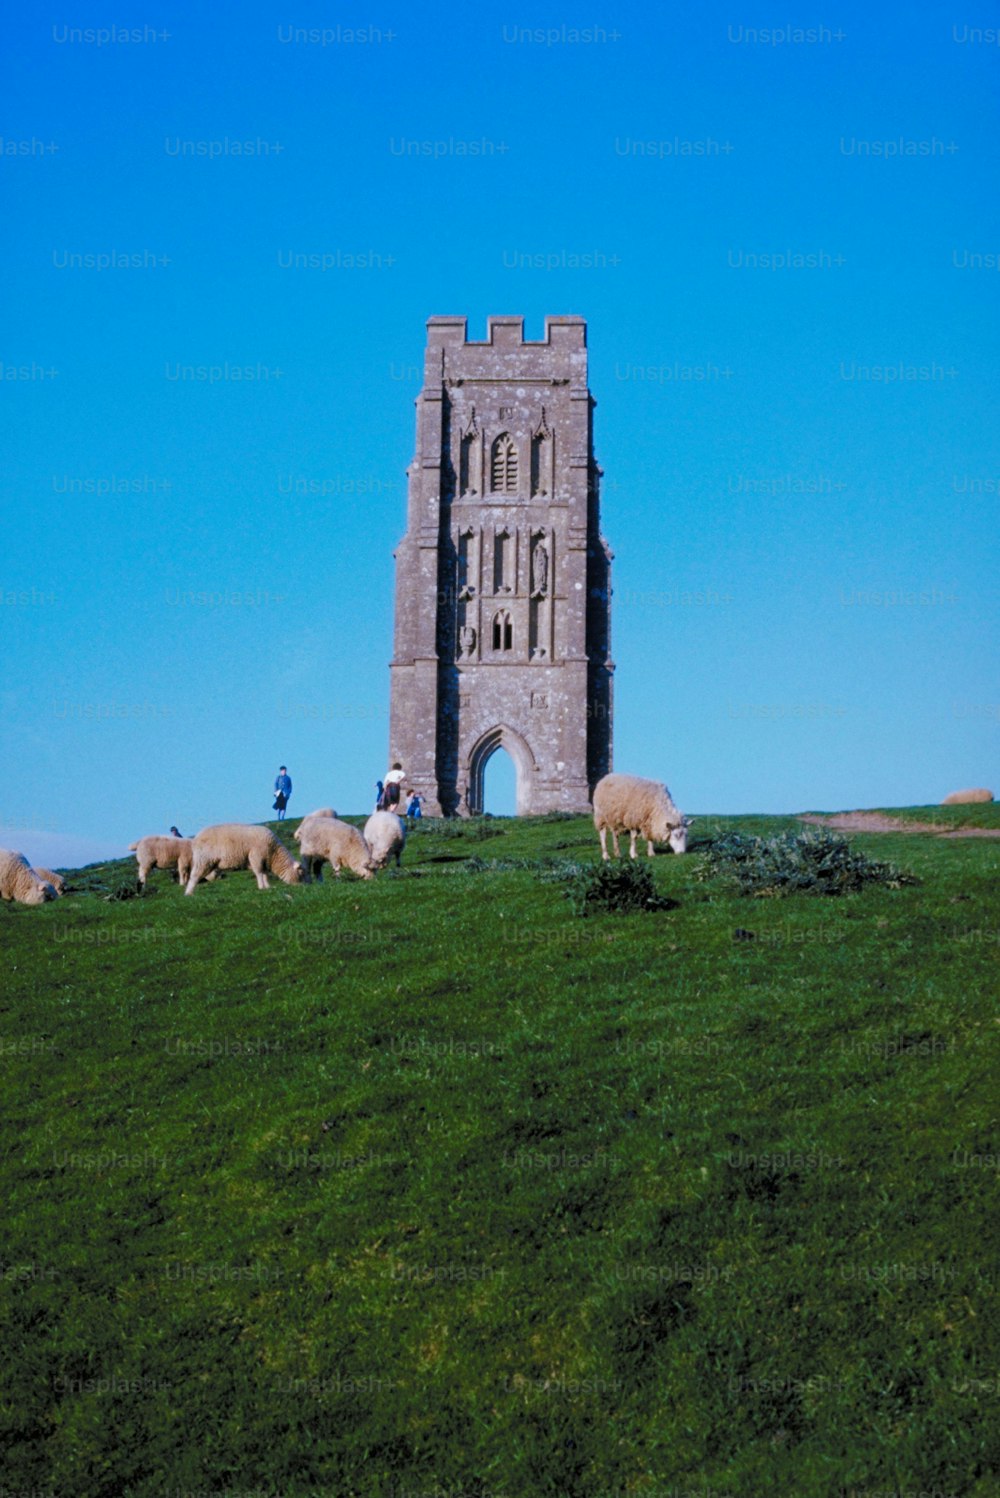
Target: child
393,781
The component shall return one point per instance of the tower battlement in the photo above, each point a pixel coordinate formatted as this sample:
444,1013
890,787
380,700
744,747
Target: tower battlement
508,332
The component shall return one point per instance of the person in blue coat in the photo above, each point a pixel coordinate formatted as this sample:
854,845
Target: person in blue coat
282,791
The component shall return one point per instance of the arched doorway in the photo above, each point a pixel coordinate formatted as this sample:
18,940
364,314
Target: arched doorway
500,784
483,750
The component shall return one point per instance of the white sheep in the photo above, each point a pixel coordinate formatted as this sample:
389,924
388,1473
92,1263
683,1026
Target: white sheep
627,803
57,881
328,840
324,812
234,845
19,881
163,853
385,834
967,798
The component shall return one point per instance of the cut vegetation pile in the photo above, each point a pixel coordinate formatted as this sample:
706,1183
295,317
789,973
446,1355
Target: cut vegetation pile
806,863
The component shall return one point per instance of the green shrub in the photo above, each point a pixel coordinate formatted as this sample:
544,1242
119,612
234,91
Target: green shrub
124,887
811,863
620,886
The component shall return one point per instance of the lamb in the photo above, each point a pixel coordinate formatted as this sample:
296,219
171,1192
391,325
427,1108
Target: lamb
627,803
967,798
20,882
385,834
324,811
233,845
327,839
163,853
57,881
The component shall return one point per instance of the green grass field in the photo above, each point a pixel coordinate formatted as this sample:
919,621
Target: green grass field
428,1186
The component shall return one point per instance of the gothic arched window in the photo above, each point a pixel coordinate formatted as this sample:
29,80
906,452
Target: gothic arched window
503,465
503,631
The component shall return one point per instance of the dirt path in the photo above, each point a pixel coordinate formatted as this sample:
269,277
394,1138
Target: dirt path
876,821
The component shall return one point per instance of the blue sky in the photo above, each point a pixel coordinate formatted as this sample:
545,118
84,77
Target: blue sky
786,249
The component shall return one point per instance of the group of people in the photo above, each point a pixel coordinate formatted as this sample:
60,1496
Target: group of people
388,793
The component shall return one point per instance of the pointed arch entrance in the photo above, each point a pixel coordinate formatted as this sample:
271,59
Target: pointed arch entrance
500,737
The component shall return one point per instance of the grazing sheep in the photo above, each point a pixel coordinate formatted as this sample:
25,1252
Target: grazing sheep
385,834
163,853
19,881
328,840
967,798
234,845
57,881
324,811
627,803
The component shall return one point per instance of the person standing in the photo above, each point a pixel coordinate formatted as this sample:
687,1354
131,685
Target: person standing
414,807
393,780
282,791
379,788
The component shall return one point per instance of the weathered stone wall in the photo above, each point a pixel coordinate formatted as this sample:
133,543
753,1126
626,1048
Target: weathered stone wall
502,633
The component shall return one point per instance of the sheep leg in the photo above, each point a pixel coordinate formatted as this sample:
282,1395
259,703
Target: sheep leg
631,849
614,842
202,868
649,849
604,843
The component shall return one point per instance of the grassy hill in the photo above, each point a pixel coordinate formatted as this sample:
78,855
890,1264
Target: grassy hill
429,1186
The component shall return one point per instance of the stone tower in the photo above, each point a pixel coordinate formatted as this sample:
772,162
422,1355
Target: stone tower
503,580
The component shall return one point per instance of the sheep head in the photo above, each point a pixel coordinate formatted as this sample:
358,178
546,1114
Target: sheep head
38,892
678,836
